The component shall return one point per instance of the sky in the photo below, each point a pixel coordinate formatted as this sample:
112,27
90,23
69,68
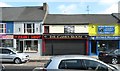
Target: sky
69,6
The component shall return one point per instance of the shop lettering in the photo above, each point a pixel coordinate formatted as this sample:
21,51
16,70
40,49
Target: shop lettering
27,37
6,37
66,36
35,37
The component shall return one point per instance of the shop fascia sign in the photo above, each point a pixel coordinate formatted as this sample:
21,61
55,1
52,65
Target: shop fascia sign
6,36
106,29
27,36
105,38
65,36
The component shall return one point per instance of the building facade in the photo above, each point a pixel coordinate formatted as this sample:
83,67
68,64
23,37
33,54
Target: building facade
104,34
65,34
21,28
6,34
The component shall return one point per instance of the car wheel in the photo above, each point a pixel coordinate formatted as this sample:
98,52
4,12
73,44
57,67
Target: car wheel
17,61
114,61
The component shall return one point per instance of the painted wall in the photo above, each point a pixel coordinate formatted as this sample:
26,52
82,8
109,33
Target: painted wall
9,27
93,30
60,29
56,29
81,29
19,28
119,29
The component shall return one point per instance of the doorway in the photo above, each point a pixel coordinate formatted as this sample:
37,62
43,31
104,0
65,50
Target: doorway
94,47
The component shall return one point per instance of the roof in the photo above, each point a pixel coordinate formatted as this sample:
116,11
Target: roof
35,13
53,19
116,15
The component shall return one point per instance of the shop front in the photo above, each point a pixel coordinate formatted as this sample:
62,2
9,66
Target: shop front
6,41
104,38
28,43
103,43
61,44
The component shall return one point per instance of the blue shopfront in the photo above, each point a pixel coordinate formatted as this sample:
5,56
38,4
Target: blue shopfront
103,43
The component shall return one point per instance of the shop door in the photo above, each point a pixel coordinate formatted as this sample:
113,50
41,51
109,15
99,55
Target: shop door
94,47
21,46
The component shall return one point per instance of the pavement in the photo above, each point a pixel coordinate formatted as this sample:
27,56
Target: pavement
39,58
45,58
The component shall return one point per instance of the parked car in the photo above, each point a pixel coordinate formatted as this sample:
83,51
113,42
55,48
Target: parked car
2,68
9,55
75,62
110,56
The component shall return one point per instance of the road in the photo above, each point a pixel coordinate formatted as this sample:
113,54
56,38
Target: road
29,66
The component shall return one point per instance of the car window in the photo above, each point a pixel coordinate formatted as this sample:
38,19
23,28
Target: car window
0,51
71,64
94,65
116,51
6,51
119,51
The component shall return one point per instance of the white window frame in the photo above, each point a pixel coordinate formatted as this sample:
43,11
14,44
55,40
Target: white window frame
3,27
32,28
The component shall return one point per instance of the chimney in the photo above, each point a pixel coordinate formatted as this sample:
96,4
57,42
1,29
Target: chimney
45,6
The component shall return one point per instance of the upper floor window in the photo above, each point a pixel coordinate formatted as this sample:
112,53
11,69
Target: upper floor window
2,28
29,28
69,29
46,29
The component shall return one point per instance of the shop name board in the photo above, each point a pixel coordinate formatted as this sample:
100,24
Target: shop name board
6,36
27,36
66,36
106,29
105,38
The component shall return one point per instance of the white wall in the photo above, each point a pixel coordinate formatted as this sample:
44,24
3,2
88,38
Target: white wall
20,25
60,29
56,29
81,29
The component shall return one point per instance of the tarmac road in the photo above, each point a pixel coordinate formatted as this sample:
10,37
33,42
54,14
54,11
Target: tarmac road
29,66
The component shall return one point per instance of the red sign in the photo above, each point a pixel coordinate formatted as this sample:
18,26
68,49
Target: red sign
27,36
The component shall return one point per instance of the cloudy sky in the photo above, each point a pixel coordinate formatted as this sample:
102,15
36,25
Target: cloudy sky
69,6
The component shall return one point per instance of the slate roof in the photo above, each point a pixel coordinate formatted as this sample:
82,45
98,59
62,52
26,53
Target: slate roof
22,13
116,15
53,19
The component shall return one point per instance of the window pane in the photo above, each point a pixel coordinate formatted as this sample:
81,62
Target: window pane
31,46
9,43
71,64
1,30
94,65
29,26
1,25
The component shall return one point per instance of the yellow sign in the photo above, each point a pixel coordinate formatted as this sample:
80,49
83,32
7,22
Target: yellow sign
93,30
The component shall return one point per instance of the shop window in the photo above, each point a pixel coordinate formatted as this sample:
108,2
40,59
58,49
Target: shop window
29,28
31,46
69,29
2,28
6,43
